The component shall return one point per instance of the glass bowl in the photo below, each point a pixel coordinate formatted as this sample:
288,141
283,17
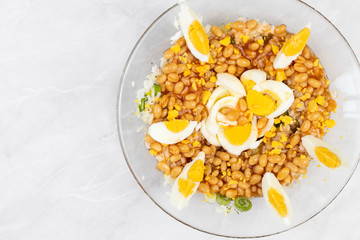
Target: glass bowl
321,185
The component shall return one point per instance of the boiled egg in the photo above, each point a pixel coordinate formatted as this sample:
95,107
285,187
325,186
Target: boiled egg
231,83
252,77
170,132
194,33
267,127
292,48
236,139
276,197
223,121
188,182
270,98
212,139
322,151
217,94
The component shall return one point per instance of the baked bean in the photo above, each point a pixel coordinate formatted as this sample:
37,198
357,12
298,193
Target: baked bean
233,115
263,160
237,175
288,179
251,54
256,178
156,110
183,50
242,120
215,173
283,173
260,192
190,97
261,123
189,154
235,56
173,149
243,62
258,169
221,68
171,102
308,64
149,139
302,163
217,161
212,180
267,48
164,101
280,29
181,68
306,53
319,91
175,171
206,150
175,158
300,77
189,116
293,168
295,140
251,24
274,158
247,174
179,87
305,126
169,86
173,77
254,46
223,166
243,185
156,146
313,116
302,170
276,168
169,68
299,67
228,50
204,188
209,84
269,167
290,71
214,188
220,183
224,156
235,166
181,41
314,83
253,160
162,78
216,31
248,193
168,54
189,104
163,166
231,69
221,59
231,193
238,25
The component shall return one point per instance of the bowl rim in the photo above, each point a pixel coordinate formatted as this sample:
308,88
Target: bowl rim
118,122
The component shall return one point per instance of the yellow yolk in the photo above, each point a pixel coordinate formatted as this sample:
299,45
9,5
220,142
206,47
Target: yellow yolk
176,125
260,104
296,43
248,84
327,157
237,135
186,187
196,171
277,201
198,37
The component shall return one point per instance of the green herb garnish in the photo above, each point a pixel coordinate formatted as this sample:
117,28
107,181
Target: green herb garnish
222,200
157,89
243,204
142,104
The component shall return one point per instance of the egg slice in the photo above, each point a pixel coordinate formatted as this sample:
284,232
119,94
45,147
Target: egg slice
252,77
217,94
236,139
223,121
322,151
267,127
194,33
276,197
292,48
211,123
188,182
270,98
212,139
170,132
231,83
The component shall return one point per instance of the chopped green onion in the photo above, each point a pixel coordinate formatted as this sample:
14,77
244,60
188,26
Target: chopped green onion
157,89
277,124
243,204
233,40
222,200
256,150
142,104
287,113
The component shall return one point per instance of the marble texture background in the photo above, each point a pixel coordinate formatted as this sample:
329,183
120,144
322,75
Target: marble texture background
62,173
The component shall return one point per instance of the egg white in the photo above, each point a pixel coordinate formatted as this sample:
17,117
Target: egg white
177,199
217,94
269,180
282,61
231,83
160,133
310,143
256,75
285,94
212,139
185,19
248,144
223,121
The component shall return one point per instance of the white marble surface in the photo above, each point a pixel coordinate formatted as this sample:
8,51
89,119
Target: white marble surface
62,173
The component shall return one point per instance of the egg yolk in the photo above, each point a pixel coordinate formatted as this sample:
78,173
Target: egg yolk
277,201
176,125
196,171
186,187
237,135
327,157
296,43
248,84
259,103
198,37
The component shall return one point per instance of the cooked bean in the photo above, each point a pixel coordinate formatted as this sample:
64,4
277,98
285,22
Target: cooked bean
237,175
243,62
314,83
248,193
300,77
313,116
175,171
212,180
293,168
305,126
169,68
302,163
163,166
238,25
217,161
231,69
251,54
253,160
276,168
280,29
254,46
189,104
295,140
308,64
247,174
242,120
306,53
224,156
243,185
299,67
162,78
207,150
269,167
157,110
149,139
173,149
169,86
204,188
175,158
228,50
274,158
216,31
173,77
283,173
235,166
251,23
261,123
209,84
233,115
221,68
263,160
231,193
214,188
258,169
288,179
156,146
256,178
